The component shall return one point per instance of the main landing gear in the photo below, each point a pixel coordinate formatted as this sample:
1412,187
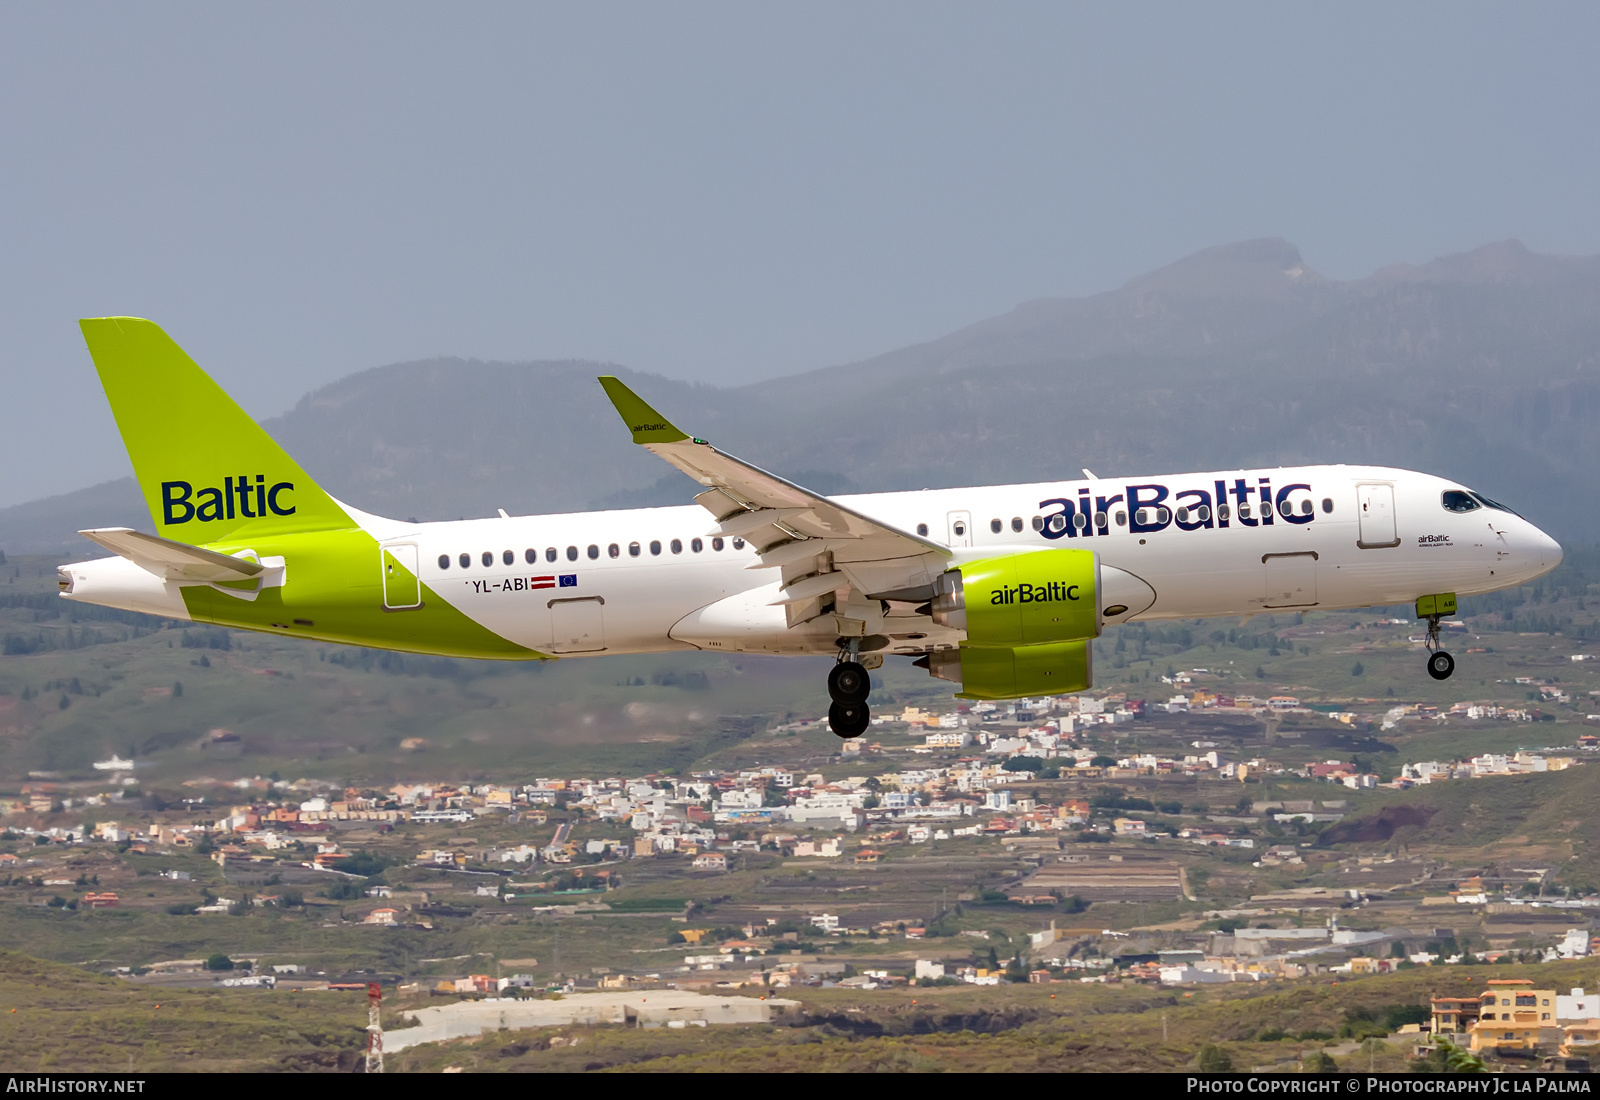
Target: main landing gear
1440,663
849,684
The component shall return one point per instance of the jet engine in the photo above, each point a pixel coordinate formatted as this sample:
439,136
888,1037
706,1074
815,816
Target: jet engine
1029,620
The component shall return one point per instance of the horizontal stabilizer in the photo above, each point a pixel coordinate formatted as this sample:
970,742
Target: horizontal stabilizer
173,561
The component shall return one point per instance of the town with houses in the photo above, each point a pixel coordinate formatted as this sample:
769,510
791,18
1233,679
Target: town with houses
1049,790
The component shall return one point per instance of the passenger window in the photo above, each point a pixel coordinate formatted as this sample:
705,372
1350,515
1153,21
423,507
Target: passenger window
1305,507
738,543
696,545
1327,505
549,553
572,553
1285,509
922,529
508,557
594,552
466,560
530,555
655,546
1099,519
1454,500
614,550
1203,512
716,543
1122,518
1183,515
1223,511
1142,515
1244,511
995,526
1058,522
1016,523
633,549
488,557
1038,523
677,546
444,561
1080,521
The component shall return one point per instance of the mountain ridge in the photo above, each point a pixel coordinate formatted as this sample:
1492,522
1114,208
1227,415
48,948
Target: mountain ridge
1483,365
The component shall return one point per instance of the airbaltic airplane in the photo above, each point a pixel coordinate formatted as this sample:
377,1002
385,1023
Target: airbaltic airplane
1000,589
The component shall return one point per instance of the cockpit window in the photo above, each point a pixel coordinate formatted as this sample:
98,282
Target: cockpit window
1495,504
1454,500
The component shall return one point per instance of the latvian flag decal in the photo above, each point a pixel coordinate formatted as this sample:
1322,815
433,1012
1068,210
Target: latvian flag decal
542,582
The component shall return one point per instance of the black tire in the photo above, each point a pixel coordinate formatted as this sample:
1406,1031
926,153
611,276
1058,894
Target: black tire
849,719
1441,665
849,683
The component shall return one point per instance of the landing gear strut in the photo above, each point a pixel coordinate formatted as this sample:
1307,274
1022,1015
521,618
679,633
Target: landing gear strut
1440,663
849,685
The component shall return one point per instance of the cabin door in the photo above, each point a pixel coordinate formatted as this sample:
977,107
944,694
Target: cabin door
402,587
1376,509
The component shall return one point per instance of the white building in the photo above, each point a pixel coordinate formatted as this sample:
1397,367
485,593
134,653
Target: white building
1578,1006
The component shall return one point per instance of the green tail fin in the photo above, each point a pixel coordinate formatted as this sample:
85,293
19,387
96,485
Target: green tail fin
208,472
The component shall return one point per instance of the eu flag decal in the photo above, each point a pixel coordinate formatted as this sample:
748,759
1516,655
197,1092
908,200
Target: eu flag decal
569,580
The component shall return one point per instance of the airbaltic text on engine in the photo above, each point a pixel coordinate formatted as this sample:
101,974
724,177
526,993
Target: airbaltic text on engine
1049,592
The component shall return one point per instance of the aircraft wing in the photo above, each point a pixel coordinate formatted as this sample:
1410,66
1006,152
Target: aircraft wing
823,548
173,561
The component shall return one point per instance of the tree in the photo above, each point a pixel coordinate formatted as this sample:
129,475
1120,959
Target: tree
219,961
1357,669
1321,1062
1213,1059
177,689
1024,764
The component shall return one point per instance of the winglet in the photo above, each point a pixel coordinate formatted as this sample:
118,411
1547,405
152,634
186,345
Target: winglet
647,425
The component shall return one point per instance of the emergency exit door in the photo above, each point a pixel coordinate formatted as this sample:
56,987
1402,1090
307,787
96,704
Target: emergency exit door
960,528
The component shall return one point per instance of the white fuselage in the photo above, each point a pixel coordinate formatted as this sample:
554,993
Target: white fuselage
1373,536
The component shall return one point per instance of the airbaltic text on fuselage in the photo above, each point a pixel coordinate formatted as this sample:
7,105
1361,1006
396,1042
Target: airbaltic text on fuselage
1241,501
1048,592
238,496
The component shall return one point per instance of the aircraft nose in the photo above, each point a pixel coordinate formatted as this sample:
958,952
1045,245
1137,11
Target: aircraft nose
1546,550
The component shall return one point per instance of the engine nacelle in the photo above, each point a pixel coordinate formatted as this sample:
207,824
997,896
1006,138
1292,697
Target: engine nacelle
1029,620
1022,599
1014,672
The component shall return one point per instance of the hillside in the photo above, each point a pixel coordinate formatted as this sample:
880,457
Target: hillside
1482,366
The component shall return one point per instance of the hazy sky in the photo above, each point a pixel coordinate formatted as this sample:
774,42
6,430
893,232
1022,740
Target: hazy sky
720,192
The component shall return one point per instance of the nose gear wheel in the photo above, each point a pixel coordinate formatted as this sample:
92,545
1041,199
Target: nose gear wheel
1440,663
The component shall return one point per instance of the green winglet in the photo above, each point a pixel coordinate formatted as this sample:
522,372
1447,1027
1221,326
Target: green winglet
647,425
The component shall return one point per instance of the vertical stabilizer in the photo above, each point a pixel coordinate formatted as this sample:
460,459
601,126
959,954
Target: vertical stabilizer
208,472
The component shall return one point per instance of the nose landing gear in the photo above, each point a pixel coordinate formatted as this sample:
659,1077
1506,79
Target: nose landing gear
849,684
1440,663
1434,609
